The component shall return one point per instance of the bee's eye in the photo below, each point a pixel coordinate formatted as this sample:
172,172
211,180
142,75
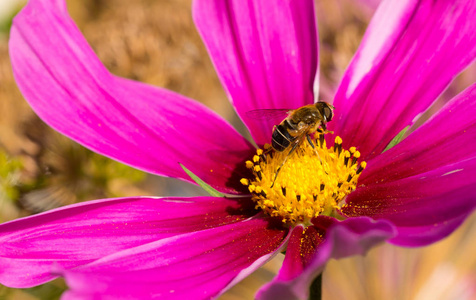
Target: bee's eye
328,114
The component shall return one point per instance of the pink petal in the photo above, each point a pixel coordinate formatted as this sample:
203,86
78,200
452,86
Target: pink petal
78,234
149,128
448,137
198,265
425,184
418,236
302,247
265,53
307,254
411,52
433,204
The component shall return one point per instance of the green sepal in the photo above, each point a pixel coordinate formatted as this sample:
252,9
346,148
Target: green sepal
397,139
202,183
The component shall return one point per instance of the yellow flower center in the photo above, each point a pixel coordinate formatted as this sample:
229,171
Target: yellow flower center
311,181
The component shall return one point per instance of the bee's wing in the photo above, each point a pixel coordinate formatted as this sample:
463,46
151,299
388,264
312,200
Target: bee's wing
268,114
299,133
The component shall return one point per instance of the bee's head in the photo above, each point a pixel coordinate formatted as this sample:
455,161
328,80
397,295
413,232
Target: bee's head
326,110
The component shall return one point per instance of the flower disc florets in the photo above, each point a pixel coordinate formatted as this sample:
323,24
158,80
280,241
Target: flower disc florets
312,181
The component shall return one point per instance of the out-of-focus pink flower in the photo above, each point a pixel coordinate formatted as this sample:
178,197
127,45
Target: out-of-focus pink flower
266,55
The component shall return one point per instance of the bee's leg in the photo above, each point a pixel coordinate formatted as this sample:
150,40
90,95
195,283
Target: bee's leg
284,161
315,151
308,137
323,130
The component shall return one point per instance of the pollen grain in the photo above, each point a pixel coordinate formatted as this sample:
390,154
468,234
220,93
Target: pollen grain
313,181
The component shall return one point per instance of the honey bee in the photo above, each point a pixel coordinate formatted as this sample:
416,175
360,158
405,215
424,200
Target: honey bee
297,126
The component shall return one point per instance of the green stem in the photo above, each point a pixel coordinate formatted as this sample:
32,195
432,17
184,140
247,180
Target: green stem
315,290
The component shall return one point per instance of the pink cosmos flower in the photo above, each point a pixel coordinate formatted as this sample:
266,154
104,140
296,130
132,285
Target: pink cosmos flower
266,55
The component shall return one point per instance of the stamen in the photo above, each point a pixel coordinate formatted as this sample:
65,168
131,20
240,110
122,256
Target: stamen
361,167
338,145
313,181
321,140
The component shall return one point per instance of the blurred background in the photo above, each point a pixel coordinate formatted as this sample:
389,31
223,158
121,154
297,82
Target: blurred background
155,41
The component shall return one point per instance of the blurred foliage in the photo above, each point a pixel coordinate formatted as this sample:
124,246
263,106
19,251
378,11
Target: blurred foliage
10,169
48,291
67,172
6,23
341,25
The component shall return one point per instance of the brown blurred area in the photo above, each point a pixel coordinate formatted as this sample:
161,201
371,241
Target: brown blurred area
155,41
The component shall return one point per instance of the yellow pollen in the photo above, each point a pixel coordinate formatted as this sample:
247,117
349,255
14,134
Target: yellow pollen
310,182
249,164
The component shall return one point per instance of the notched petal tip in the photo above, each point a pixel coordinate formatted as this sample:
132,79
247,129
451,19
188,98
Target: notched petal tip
341,239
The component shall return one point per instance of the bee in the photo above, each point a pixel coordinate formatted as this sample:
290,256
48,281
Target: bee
297,126
301,123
